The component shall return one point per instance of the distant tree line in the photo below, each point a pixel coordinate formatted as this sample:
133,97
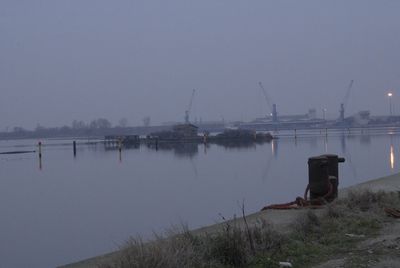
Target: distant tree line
94,124
78,128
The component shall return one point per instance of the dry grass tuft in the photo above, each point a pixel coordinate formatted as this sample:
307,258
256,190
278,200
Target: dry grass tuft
368,200
232,246
306,224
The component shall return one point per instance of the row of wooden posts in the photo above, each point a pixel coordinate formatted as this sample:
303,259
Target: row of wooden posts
74,151
73,147
156,143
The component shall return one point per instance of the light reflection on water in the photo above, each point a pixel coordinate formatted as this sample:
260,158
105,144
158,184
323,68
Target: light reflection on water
75,208
391,157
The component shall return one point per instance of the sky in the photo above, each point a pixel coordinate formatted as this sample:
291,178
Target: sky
62,60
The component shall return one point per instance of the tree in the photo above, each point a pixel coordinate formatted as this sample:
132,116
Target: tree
78,124
123,122
100,123
19,129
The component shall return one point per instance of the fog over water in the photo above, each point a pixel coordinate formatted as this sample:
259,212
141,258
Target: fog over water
66,60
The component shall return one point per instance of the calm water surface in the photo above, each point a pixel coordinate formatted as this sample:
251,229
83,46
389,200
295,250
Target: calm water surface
75,208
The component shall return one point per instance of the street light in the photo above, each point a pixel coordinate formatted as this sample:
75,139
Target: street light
390,95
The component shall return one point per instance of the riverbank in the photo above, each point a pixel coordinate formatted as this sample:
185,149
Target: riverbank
282,220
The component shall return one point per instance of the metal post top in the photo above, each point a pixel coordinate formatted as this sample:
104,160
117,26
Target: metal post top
320,159
326,157
339,159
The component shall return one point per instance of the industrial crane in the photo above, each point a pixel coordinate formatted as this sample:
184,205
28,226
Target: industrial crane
271,108
343,105
265,95
189,108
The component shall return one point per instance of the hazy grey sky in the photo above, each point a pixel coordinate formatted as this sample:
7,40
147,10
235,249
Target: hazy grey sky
83,59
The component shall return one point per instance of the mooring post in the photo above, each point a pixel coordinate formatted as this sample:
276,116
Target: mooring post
205,138
40,149
40,155
74,147
157,144
326,132
120,149
295,133
119,145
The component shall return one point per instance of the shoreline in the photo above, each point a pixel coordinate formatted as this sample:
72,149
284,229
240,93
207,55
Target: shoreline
280,219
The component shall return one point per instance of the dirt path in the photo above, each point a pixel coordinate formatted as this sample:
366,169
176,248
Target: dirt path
379,251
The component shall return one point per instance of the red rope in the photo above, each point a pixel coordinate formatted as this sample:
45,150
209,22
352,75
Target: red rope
304,202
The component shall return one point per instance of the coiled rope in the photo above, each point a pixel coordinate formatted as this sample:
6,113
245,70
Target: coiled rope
304,202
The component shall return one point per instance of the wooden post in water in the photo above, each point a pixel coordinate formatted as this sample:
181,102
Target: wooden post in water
40,149
40,154
119,145
157,144
295,133
74,147
120,149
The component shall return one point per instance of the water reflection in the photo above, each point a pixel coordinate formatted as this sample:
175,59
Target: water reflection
274,148
116,146
365,139
180,149
343,142
326,144
40,163
206,146
313,143
391,157
235,144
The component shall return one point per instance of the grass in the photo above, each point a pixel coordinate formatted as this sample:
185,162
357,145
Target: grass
313,239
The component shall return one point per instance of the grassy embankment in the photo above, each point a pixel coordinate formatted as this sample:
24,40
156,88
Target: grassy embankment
312,239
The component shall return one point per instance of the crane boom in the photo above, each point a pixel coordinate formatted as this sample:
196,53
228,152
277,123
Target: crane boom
191,100
346,97
265,95
189,108
343,105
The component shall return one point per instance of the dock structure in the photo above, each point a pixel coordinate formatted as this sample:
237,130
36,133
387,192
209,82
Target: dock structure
186,133
114,141
179,133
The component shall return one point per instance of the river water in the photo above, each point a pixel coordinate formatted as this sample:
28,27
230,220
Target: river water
68,208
